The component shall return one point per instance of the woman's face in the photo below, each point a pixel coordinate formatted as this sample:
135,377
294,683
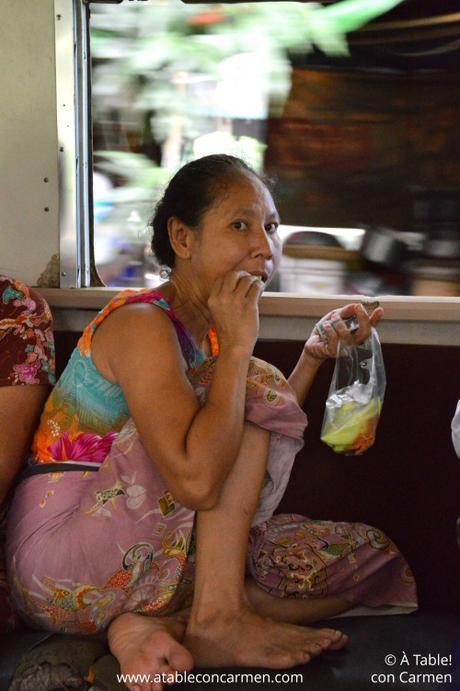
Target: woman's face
238,233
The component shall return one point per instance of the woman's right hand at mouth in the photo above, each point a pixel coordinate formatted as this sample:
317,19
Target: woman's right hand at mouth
234,308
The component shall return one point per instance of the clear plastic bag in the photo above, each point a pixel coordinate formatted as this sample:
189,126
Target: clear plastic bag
355,397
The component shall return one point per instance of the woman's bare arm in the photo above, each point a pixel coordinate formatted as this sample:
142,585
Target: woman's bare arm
193,447
303,376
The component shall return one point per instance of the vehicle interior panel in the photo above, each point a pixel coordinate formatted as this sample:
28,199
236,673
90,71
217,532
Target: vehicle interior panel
407,484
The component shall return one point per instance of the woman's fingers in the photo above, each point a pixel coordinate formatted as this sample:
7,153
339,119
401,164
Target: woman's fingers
250,286
341,328
351,324
376,316
231,280
331,339
364,326
348,310
366,322
234,309
336,321
239,282
256,289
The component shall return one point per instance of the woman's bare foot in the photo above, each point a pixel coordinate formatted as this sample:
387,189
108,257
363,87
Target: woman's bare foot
293,610
149,646
245,639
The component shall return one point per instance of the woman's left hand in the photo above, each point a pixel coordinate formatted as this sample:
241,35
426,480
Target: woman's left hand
324,338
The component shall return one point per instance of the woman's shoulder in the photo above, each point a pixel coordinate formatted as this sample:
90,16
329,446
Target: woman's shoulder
125,298
135,320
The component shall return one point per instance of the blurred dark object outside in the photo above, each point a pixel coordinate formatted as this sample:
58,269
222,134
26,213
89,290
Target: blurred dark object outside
437,218
315,263
351,145
382,246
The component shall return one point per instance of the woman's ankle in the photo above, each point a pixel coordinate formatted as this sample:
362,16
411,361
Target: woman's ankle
206,609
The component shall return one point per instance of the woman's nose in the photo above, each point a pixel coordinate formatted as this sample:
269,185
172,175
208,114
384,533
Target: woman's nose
263,244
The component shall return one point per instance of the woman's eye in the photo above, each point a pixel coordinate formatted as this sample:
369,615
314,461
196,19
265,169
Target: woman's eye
240,225
271,228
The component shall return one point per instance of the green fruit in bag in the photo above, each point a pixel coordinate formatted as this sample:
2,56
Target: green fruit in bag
351,427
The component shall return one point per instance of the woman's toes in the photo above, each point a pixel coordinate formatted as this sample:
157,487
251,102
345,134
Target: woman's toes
338,640
315,649
292,659
305,656
180,659
331,634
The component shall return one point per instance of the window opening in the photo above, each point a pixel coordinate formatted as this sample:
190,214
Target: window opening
363,138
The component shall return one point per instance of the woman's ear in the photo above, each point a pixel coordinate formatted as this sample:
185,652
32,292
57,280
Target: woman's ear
181,237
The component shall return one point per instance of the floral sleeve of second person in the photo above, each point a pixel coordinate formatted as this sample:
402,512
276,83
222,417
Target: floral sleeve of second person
26,336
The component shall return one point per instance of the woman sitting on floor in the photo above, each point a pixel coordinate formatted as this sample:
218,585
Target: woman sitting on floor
165,448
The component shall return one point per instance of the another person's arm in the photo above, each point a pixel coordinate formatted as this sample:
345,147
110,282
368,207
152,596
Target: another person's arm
26,371
20,408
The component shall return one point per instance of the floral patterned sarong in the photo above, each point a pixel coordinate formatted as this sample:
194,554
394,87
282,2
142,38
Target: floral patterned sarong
86,546
294,556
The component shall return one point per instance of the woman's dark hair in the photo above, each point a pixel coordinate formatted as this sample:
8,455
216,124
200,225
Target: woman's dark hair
190,193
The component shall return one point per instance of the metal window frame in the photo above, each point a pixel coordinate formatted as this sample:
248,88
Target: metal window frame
73,113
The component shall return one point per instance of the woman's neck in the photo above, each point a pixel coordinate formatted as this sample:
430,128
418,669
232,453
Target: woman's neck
189,307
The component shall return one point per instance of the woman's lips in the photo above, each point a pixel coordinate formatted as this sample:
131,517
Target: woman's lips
262,276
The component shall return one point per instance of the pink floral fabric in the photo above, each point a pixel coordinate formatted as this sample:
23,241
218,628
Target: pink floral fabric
294,556
62,522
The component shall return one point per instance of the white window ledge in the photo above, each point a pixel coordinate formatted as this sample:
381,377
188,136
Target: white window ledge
412,320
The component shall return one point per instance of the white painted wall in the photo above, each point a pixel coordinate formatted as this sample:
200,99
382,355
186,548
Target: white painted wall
28,139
